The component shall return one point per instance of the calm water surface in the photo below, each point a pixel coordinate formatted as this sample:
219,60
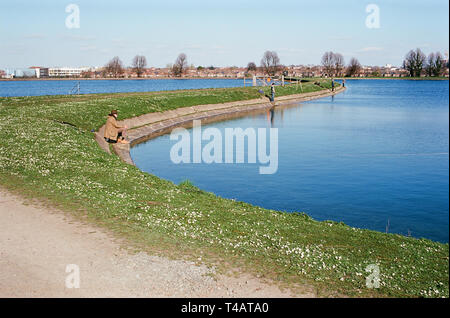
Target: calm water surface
375,156
63,87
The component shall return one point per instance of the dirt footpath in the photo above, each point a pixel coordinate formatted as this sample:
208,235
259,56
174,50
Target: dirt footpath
46,253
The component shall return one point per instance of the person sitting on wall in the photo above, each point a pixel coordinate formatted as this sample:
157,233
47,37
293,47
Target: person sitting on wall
114,133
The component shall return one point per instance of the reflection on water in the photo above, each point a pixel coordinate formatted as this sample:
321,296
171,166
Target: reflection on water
374,154
270,115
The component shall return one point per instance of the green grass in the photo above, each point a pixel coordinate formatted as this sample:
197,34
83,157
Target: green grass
428,78
40,157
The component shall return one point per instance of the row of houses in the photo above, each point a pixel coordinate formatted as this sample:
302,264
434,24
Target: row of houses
365,71
200,72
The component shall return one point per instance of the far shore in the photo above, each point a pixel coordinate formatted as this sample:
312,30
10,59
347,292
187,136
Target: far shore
214,78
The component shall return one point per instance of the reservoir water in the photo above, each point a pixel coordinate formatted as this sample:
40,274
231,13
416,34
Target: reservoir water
375,156
63,87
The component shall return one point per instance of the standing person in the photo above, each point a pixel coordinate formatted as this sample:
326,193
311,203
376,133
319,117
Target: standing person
332,85
114,133
272,92
343,82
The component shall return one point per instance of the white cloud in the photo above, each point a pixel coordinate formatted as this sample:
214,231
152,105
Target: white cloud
193,47
73,37
370,49
35,36
161,46
341,38
88,48
290,50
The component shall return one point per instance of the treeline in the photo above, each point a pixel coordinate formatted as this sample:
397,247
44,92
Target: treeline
116,68
334,65
415,62
270,65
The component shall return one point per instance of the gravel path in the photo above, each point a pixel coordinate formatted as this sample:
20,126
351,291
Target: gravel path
37,246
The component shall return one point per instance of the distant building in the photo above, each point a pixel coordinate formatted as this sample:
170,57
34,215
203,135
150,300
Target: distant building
41,72
67,71
20,73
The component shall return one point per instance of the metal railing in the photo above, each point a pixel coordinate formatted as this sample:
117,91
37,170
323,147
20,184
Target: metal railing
75,89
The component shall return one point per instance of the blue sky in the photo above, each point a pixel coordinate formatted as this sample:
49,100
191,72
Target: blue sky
220,33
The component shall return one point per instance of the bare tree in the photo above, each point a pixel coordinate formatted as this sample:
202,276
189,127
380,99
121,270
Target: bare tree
328,62
180,65
338,64
270,63
251,67
429,67
434,64
139,63
438,64
414,62
376,71
354,67
114,67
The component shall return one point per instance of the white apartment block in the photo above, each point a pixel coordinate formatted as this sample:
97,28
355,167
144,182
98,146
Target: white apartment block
66,71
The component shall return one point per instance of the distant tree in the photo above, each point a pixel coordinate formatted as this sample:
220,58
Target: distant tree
270,63
434,65
328,63
87,74
211,68
180,65
429,67
338,64
376,71
114,67
251,67
139,63
414,62
199,68
354,67
438,64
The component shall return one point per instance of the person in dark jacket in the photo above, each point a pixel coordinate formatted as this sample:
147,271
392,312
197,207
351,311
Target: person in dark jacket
272,92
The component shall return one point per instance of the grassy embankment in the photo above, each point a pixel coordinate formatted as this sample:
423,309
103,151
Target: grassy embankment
61,164
428,78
